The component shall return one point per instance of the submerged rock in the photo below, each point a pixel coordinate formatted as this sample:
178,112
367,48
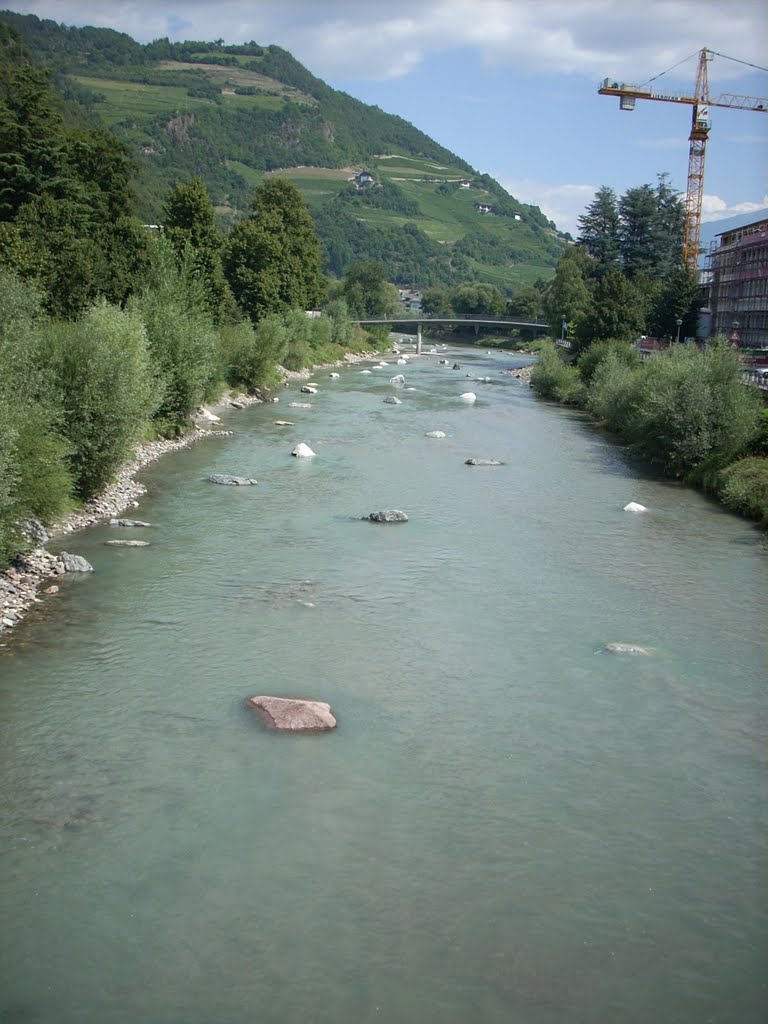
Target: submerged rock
128,522
389,515
74,563
393,400
483,462
230,481
283,423
397,379
435,433
286,714
127,543
299,405
635,506
622,648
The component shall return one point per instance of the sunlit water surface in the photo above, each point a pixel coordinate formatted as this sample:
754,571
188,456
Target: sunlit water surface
507,826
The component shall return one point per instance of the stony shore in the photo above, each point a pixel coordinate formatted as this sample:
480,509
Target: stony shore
21,583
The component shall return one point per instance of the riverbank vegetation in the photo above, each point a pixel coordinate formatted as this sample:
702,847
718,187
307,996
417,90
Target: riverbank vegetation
686,410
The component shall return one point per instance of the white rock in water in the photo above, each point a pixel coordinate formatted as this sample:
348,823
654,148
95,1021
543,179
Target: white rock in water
468,397
299,405
127,543
622,648
392,400
206,414
283,423
365,371
334,375
74,563
309,389
302,451
383,363
435,433
634,506
399,379
402,362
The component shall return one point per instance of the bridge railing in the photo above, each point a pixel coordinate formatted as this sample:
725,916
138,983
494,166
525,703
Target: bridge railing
410,316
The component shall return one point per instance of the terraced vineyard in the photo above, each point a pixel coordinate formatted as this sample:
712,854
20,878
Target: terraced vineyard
233,114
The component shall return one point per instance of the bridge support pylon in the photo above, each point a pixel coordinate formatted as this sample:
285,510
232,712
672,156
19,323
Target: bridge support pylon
418,339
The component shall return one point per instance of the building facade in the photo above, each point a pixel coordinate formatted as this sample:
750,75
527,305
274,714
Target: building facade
738,292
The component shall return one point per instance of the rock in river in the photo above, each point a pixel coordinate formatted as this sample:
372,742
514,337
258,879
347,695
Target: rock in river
74,563
483,462
635,506
622,648
289,715
393,400
230,481
389,515
468,398
435,433
302,451
128,522
127,543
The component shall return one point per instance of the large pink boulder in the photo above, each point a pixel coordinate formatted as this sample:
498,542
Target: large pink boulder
287,714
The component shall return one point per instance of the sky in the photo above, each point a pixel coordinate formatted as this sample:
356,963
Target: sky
511,85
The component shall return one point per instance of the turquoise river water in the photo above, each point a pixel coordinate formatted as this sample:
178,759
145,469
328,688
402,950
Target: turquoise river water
506,826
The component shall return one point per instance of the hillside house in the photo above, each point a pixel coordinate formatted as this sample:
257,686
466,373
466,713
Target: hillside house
363,179
465,183
483,207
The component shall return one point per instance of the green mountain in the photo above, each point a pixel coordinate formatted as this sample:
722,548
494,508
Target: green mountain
233,114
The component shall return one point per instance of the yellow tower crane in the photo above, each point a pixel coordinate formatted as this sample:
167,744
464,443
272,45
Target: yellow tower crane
701,101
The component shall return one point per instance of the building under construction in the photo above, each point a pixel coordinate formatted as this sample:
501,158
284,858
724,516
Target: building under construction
738,296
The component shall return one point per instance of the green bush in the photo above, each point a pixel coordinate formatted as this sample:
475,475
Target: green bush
183,343
100,366
251,354
553,378
744,488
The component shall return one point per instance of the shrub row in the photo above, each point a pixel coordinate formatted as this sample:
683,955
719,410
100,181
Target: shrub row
76,395
685,411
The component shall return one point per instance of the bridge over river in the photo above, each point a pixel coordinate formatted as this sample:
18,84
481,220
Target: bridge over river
456,319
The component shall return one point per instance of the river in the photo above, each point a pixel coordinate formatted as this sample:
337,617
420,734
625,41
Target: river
506,826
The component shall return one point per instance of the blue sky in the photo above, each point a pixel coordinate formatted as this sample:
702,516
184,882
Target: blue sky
511,85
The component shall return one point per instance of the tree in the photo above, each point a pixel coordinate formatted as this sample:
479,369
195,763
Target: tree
676,299
569,298
367,291
616,311
599,229
479,299
101,368
272,260
436,301
189,223
181,333
525,303
639,231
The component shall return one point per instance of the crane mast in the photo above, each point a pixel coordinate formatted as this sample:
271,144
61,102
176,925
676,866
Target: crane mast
700,102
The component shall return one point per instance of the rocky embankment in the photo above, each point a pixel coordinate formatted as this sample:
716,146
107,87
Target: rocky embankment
36,571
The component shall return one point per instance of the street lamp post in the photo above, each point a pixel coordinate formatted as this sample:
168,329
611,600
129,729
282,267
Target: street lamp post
679,323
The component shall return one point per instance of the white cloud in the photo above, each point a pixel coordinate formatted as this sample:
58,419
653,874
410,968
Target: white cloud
349,39
714,208
563,204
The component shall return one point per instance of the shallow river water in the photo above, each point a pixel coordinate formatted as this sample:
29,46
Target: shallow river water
506,826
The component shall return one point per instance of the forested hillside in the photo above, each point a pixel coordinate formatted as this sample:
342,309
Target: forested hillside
235,114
